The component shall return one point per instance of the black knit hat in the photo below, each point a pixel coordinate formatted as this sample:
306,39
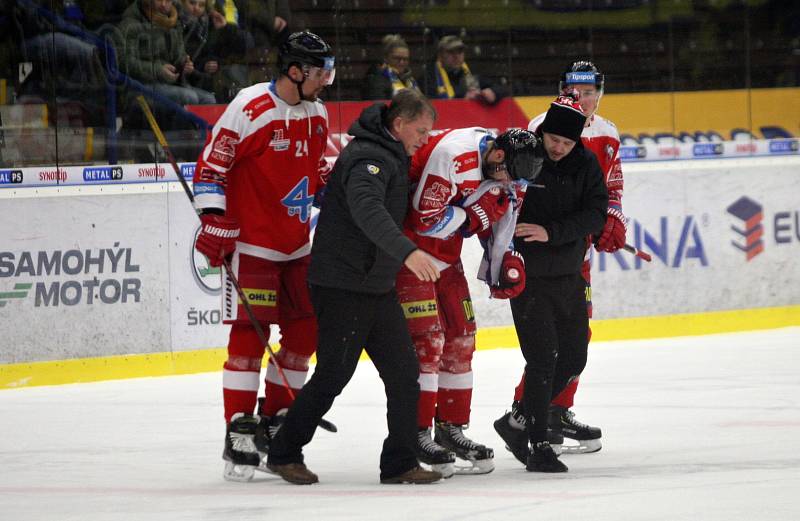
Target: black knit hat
565,118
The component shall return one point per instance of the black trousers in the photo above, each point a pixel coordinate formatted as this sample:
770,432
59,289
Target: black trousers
553,328
349,323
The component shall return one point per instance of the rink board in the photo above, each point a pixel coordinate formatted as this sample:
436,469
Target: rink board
100,280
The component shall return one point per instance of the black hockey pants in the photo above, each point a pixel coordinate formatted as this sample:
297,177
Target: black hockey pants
553,328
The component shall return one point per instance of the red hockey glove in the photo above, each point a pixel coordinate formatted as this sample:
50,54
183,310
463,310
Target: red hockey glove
613,236
487,210
217,237
512,276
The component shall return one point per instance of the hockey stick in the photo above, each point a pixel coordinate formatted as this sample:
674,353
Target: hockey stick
639,253
262,337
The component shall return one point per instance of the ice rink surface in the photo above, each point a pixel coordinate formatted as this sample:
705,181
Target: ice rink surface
700,428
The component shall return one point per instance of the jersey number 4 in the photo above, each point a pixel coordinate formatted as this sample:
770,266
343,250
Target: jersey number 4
298,201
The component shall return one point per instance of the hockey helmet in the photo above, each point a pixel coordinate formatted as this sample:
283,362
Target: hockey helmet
581,72
523,153
307,50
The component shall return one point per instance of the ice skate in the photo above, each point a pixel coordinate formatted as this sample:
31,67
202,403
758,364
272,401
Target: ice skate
431,453
511,428
451,437
415,476
265,433
543,459
240,453
587,437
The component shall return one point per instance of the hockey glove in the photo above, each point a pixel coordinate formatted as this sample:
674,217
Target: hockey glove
217,237
487,210
613,236
512,276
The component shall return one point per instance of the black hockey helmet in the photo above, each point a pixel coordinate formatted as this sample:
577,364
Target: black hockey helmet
305,48
581,72
523,151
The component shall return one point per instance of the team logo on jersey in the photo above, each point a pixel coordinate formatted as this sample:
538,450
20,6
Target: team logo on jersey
372,169
258,106
278,142
224,148
434,196
609,152
466,162
319,130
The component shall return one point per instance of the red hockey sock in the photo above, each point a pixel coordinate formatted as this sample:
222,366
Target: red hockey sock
454,405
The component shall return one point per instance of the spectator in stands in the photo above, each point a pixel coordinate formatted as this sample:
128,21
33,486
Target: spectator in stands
61,55
266,24
151,50
394,74
450,77
214,46
267,20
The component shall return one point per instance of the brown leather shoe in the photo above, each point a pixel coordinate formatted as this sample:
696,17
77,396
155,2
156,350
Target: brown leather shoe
296,473
417,476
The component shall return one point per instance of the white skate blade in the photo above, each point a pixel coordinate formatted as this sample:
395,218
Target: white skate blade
582,447
445,469
240,473
480,466
262,465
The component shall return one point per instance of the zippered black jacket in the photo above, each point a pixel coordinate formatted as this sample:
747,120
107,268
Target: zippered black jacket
569,199
359,244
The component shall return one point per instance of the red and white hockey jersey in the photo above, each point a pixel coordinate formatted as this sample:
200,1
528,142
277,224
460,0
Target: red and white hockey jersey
602,138
262,165
444,172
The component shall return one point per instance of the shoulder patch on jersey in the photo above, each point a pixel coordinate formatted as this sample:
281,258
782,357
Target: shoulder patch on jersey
435,195
224,148
466,162
257,106
372,169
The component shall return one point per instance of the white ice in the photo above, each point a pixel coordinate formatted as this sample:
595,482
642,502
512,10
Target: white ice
693,428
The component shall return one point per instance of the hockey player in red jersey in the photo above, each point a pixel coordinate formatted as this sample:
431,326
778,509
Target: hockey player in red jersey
601,137
446,172
254,184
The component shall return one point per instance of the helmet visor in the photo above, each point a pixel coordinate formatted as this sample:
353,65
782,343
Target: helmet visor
325,74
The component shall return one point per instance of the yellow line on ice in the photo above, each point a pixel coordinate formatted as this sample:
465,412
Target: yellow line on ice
207,360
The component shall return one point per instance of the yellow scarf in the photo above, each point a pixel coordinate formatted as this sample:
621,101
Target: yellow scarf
231,12
443,86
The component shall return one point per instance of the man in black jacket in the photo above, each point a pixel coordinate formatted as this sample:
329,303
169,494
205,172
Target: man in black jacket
358,249
566,204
